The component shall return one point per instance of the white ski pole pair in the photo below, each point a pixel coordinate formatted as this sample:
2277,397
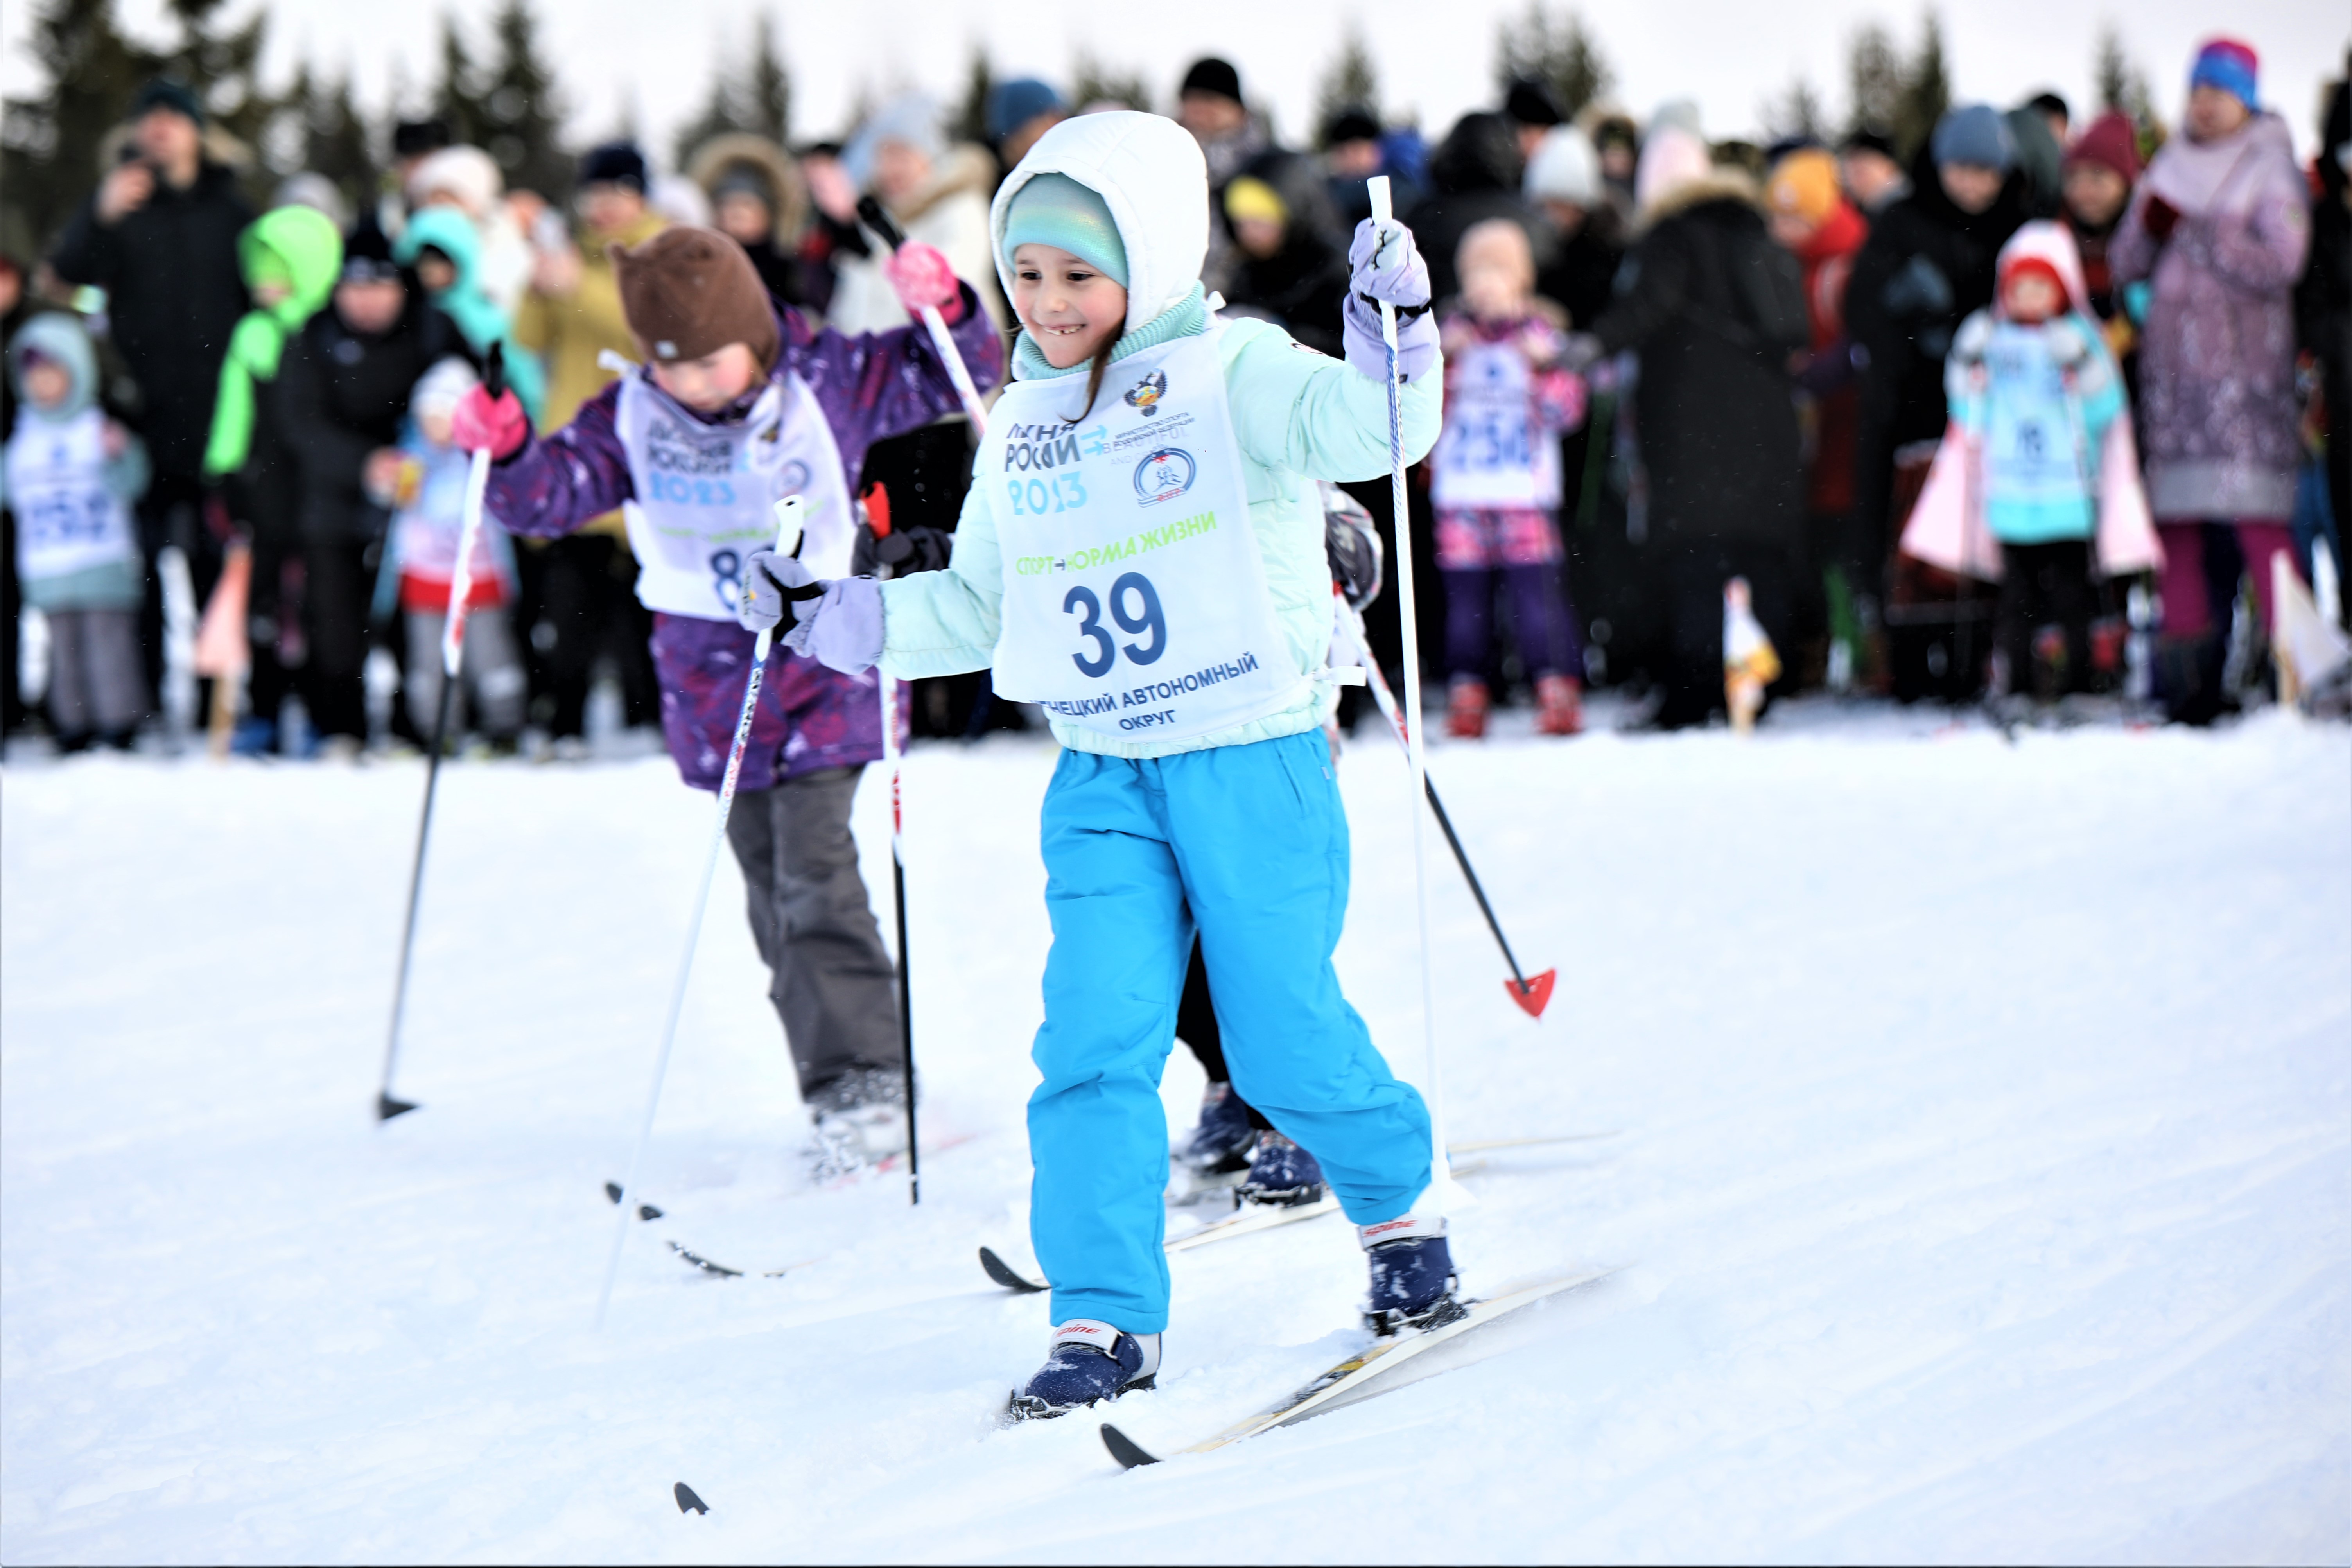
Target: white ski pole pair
453,659
788,538
1442,1186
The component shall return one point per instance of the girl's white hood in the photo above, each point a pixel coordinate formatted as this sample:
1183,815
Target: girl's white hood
1148,172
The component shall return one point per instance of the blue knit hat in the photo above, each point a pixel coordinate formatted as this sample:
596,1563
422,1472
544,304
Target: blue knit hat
1976,134
1055,209
1012,104
2229,65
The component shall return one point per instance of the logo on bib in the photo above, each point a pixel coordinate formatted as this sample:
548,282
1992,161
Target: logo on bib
1163,476
1144,396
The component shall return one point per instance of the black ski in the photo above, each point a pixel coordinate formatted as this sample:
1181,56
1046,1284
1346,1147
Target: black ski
644,1211
1004,1274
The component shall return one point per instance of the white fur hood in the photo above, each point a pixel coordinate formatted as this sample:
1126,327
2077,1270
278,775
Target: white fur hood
1148,172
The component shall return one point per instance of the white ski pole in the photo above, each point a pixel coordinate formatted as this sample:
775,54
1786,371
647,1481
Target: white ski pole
788,538
1442,1180
870,214
453,659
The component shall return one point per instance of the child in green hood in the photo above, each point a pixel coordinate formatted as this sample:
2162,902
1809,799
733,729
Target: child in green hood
290,257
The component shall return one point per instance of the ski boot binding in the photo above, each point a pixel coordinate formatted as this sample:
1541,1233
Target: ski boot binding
1281,1174
1089,1362
1412,1279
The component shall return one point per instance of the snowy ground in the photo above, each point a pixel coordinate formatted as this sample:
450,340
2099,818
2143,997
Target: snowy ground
1982,1163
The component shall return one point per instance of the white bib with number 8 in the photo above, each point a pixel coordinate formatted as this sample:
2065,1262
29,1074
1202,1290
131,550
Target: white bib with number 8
704,493
1135,600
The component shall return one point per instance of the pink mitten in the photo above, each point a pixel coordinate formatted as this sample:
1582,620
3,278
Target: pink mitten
479,424
924,279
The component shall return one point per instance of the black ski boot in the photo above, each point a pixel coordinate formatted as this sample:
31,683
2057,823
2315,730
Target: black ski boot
1281,1173
1412,1274
1090,1361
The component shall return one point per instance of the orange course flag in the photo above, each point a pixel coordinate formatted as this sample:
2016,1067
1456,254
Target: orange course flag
221,648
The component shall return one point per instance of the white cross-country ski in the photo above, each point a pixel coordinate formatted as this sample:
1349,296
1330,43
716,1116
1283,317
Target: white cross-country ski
1376,1360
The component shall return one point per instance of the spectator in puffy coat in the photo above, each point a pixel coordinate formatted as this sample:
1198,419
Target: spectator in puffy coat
160,237
292,257
1929,263
1586,226
340,398
1718,426
1474,176
1284,268
1813,218
759,201
2219,229
2323,300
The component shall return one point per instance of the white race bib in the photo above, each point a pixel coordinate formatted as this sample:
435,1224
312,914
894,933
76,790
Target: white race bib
1492,452
705,493
1135,600
67,520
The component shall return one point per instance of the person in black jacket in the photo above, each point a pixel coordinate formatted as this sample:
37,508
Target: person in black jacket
1285,269
1474,176
1929,262
160,237
340,399
2322,304
1714,406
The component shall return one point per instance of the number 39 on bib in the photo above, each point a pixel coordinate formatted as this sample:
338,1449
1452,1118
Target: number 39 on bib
1135,600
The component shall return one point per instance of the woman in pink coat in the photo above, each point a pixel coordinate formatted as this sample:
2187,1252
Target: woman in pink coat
2217,232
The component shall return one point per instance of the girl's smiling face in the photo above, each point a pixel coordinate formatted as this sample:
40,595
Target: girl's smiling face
1072,308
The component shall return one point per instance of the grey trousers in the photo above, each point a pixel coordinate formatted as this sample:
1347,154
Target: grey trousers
492,673
97,684
833,983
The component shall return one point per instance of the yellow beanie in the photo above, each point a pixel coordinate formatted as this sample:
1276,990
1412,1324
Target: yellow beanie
1248,198
1805,185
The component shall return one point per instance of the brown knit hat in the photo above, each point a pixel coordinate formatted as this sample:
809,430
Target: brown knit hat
689,292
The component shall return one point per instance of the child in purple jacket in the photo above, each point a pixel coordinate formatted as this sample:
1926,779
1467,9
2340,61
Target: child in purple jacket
739,405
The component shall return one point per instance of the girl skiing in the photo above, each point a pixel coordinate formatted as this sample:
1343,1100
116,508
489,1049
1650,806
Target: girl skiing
742,404
1142,552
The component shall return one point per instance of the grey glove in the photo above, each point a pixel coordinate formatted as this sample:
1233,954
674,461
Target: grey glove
770,582
841,626
1385,268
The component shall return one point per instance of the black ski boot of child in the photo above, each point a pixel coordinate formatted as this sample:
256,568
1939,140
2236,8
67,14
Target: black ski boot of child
1281,1173
1412,1278
1221,1143
1090,1361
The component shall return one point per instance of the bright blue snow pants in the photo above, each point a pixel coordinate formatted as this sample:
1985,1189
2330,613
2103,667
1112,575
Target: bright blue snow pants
1249,844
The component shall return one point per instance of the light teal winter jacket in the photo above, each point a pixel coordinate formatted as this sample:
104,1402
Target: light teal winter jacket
2039,425
1298,417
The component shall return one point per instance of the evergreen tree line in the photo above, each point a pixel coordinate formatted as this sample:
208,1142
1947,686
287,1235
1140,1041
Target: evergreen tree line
506,100
52,143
